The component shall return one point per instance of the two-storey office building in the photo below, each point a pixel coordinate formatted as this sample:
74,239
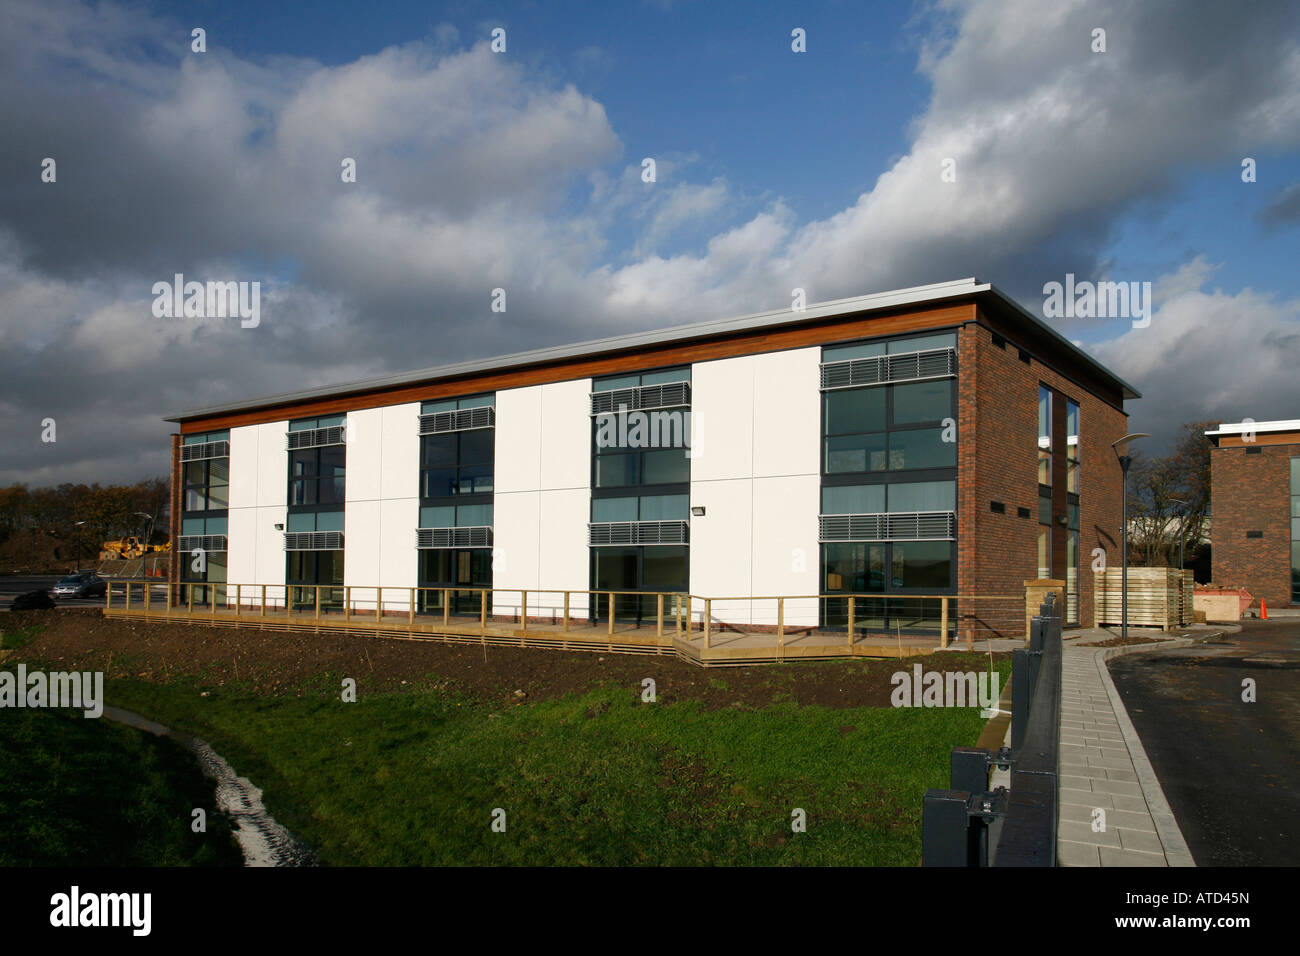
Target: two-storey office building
938,440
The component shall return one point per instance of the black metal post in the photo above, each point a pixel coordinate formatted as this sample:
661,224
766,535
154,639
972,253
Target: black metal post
1124,462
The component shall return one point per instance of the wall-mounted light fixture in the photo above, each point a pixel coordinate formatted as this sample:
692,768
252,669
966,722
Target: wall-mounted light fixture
279,527
697,511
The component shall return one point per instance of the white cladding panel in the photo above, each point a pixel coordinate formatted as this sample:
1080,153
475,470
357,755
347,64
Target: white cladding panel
518,440
755,468
787,413
722,419
365,457
721,544
515,537
787,556
400,477
565,436
258,495
564,561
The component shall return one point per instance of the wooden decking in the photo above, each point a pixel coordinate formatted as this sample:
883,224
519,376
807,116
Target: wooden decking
723,644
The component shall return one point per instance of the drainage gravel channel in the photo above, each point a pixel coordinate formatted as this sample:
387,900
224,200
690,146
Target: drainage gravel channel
262,841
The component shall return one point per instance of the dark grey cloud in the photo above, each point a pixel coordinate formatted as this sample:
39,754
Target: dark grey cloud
222,168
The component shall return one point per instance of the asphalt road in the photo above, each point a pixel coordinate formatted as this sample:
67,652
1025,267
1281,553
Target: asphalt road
12,585
1230,769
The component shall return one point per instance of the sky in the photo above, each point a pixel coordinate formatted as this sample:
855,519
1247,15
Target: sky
905,144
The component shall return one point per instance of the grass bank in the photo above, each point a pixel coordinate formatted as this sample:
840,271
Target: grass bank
417,776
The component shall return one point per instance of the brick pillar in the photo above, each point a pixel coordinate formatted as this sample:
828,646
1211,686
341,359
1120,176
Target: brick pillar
1036,591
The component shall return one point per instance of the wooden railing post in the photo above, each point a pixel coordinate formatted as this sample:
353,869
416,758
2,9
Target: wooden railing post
688,617
851,610
189,593
410,610
347,603
610,606
446,607
482,611
379,604
708,621
659,614
316,588
128,596
263,611
523,610
145,584
780,623
943,622
564,628
238,596
212,600
169,598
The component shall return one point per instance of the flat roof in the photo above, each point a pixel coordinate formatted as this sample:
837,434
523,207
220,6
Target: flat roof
874,302
1239,428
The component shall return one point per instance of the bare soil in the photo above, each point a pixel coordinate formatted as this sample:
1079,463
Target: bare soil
1124,641
276,662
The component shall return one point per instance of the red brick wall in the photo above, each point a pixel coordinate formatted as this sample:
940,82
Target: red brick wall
998,405
174,524
1252,493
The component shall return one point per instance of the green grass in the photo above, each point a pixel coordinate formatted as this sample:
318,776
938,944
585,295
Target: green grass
13,638
86,792
599,778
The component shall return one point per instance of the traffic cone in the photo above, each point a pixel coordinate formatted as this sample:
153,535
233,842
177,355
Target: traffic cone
1263,610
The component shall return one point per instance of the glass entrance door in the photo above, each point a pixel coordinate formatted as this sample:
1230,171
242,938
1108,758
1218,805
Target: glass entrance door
463,572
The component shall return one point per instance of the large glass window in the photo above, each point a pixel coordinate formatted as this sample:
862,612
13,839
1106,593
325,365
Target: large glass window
317,475
457,463
1072,447
1044,435
891,427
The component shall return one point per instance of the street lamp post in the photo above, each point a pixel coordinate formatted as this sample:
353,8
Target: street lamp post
77,569
1125,460
144,545
1182,540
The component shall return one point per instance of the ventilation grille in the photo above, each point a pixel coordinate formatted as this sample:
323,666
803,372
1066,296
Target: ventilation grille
671,395
205,542
899,526
462,419
477,536
638,532
317,437
879,369
313,540
208,449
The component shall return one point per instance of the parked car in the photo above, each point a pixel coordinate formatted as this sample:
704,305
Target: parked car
84,585
32,601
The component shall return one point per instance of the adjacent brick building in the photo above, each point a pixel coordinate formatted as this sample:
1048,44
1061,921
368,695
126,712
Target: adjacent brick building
1255,509
940,440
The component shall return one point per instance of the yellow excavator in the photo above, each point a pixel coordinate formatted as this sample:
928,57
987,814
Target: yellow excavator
131,547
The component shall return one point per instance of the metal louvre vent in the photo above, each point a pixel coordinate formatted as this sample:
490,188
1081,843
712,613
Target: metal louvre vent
205,542
313,540
462,419
638,532
206,450
317,437
477,536
879,369
897,526
670,395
